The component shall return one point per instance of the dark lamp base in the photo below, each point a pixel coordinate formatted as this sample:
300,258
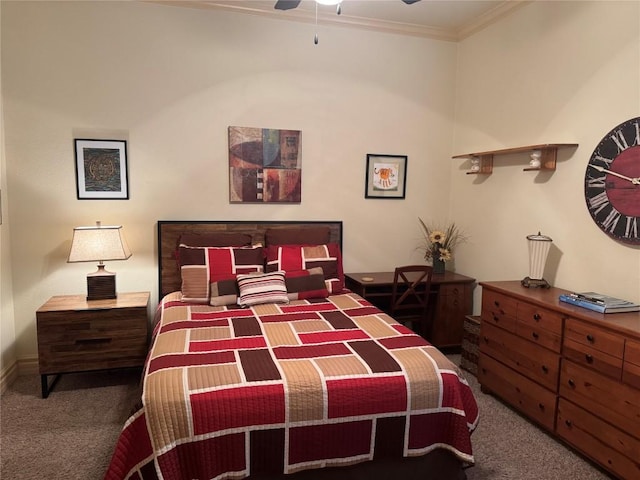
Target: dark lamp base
535,283
101,285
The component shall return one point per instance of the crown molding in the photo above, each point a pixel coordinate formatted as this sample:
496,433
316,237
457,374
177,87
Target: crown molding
308,16
490,17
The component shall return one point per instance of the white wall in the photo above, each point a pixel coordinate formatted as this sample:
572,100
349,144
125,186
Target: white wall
552,72
7,324
170,81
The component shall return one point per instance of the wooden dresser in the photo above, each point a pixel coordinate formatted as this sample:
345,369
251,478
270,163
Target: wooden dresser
574,372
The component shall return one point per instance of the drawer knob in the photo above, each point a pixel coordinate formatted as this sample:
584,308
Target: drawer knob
545,369
495,318
486,339
571,383
567,423
537,317
496,303
588,358
590,338
541,406
535,335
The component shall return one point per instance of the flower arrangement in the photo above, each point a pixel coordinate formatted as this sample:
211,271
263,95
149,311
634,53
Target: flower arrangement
439,243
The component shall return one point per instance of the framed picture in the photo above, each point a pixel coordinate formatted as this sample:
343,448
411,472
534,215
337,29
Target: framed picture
101,169
386,176
265,165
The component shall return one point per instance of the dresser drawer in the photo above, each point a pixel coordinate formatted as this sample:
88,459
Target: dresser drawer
498,309
590,357
532,361
613,449
612,401
595,337
540,318
528,397
631,367
540,336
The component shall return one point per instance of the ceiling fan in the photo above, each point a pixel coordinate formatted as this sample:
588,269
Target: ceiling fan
290,4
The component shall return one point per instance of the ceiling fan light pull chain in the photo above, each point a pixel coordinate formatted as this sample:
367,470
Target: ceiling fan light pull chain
315,37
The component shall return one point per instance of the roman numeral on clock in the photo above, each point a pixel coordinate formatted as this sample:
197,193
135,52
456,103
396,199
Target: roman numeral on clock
598,202
611,220
597,182
620,141
631,229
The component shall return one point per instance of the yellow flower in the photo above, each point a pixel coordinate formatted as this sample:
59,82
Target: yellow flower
445,254
438,242
437,237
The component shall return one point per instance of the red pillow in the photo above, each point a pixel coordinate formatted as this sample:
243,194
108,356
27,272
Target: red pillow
291,258
202,266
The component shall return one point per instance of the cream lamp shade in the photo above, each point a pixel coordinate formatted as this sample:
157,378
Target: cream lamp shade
538,246
99,244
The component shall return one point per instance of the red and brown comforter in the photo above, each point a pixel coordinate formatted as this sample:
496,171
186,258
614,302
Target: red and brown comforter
230,392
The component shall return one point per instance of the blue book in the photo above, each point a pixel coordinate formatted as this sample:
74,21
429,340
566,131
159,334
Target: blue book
599,303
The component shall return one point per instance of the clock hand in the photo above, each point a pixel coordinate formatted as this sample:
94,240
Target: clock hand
635,181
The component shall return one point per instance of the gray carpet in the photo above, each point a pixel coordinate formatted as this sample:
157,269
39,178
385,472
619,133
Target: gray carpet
71,434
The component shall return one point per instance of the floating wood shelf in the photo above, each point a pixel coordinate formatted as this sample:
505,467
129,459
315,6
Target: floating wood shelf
548,154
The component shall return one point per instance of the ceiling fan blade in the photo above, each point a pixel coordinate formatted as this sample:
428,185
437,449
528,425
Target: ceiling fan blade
286,4
409,2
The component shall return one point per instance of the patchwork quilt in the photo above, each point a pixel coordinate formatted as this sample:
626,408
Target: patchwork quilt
279,388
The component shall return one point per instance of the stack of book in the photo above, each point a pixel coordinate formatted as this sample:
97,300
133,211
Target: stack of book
599,303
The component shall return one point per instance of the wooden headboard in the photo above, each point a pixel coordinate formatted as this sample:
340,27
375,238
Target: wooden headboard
169,231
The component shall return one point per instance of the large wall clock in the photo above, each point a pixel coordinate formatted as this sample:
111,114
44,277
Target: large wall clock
612,183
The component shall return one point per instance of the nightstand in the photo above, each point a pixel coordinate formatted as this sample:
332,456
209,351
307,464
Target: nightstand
79,335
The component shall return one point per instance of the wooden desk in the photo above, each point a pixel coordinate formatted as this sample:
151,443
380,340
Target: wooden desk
452,300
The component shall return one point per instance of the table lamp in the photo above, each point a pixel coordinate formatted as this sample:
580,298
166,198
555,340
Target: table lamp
97,244
539,246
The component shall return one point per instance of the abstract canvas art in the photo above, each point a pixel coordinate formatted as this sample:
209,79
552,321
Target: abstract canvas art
265,165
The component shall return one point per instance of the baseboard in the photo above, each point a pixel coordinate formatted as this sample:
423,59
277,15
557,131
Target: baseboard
24,366
8,376
28,366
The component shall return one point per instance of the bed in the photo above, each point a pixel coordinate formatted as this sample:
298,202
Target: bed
262,366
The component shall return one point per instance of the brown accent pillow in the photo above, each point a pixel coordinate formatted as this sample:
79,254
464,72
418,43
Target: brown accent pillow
297,236
303,284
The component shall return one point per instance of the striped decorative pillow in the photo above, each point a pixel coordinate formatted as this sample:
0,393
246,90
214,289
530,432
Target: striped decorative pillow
262,288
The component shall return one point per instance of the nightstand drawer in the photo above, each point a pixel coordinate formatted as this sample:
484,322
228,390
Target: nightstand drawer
76,335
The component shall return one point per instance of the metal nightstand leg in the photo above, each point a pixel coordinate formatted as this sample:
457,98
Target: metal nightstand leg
46,388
